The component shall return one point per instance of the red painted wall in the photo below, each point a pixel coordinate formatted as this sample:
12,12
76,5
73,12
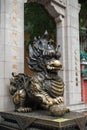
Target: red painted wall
83,88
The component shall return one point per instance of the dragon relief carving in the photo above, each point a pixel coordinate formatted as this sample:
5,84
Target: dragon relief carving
45,89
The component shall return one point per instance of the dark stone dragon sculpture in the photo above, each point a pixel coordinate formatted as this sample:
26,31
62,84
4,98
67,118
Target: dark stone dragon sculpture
45,89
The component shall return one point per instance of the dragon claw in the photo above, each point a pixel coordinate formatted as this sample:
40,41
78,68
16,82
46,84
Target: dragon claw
24,109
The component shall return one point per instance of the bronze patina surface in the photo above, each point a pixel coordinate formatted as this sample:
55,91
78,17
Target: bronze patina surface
44,90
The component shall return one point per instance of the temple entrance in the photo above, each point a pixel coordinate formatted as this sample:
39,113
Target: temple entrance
65,14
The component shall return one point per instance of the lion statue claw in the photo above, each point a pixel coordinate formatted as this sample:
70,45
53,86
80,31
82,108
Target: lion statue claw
45,89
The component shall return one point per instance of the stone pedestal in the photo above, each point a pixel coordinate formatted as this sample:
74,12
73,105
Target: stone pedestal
11,46
42,120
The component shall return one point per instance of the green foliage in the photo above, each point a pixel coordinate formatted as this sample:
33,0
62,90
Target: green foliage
84,71
83,55
37,20
83,13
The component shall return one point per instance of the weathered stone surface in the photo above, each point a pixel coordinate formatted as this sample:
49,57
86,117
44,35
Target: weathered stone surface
11,53
42,120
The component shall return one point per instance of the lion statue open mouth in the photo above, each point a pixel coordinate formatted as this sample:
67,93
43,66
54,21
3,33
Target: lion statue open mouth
45,89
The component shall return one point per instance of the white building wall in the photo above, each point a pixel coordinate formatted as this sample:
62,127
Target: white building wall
68,38
72,53
11,46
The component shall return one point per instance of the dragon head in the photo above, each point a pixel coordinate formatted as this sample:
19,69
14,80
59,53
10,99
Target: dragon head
44,56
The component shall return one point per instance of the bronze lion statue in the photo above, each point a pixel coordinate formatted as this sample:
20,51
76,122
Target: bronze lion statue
45,89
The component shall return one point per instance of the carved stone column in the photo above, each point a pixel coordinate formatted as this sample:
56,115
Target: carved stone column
11,46
72,56
68,39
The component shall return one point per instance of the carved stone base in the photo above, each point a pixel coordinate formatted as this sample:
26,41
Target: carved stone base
42,120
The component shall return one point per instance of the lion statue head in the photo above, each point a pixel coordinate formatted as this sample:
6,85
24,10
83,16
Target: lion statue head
44,56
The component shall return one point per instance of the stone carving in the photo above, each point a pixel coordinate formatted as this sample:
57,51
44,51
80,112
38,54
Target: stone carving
45,89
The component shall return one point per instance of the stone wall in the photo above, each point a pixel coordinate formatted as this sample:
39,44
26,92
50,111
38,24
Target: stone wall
11,46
